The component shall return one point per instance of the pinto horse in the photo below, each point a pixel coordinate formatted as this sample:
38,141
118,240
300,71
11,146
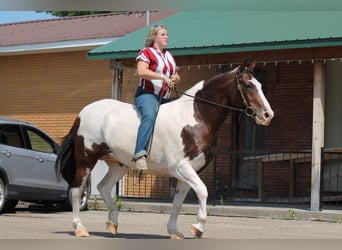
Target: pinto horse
182,145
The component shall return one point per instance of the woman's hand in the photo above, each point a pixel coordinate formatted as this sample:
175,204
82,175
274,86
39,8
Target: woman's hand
169,81
175,78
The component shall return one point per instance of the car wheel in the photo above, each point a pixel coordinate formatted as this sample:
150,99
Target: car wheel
10,205
83,200
2,195
6,205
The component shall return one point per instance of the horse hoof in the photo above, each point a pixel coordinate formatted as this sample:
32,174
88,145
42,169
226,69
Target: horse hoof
176,237
82,233
196,233
112,228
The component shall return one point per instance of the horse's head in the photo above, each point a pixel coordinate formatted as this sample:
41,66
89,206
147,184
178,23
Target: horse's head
253,97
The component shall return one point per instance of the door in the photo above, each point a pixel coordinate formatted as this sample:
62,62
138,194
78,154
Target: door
44,158
332,173
15,159
251,139
333,104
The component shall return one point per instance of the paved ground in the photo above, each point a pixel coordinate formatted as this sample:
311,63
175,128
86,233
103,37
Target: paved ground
35,223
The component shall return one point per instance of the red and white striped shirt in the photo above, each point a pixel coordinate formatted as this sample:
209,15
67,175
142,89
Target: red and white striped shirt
159,62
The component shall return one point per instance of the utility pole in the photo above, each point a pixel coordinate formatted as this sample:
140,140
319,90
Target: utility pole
147,18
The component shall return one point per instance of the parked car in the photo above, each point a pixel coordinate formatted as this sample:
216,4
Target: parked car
27,172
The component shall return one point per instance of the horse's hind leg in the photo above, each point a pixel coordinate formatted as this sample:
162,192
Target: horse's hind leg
114,174
76,192
181,192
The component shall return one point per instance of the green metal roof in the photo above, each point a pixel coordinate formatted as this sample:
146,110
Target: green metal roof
209,32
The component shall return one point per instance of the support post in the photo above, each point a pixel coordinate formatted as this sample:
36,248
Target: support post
317,133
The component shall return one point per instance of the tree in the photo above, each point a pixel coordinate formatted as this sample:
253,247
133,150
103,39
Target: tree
81,13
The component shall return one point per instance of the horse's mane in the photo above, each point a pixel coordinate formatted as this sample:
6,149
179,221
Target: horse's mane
199,85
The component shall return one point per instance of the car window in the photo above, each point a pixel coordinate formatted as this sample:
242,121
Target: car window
39,142
11,135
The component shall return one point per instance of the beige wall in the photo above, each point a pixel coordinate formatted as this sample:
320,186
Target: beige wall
50,89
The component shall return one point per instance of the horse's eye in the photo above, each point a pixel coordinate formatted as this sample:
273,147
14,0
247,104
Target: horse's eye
248,86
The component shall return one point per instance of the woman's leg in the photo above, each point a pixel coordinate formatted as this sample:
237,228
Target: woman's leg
147,105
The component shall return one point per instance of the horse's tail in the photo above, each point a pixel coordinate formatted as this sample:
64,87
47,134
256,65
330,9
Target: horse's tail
65,163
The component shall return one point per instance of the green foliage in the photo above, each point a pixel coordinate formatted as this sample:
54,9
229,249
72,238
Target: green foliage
118,202
292,215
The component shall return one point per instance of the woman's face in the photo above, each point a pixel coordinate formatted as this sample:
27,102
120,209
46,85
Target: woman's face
161,39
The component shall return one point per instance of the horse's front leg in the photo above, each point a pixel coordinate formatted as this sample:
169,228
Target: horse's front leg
80,230
105,187
185,173
181,192
197,229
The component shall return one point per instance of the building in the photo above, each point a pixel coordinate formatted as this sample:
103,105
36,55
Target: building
45,76
298,55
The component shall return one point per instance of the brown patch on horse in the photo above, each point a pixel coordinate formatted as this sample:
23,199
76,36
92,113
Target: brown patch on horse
196,141
86,158
200,138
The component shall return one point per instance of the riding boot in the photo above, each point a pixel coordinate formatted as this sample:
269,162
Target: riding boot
140,163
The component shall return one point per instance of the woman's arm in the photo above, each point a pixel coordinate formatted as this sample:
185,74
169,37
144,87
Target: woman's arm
144,72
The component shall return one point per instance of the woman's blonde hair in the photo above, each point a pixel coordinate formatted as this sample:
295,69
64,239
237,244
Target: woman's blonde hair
152,34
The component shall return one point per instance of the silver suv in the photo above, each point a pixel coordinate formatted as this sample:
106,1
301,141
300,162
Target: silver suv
27,172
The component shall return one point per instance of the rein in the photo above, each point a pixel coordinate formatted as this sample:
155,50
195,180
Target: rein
249,111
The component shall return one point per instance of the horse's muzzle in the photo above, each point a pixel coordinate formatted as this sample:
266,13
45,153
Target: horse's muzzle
264,117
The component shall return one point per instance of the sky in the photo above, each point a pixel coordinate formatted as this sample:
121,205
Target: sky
20,16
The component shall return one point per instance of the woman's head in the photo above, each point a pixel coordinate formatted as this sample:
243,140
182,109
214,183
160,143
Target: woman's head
157,36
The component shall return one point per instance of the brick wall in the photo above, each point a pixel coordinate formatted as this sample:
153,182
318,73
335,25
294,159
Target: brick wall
290,92
291,95
50,89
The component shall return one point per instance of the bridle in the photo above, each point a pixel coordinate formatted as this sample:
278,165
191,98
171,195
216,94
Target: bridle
249,110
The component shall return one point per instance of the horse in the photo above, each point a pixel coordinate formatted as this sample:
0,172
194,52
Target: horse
182,146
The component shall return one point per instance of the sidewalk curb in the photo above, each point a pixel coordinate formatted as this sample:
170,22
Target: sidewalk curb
239,210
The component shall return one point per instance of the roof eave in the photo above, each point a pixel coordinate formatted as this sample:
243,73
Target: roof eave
60,46
113,55
218,49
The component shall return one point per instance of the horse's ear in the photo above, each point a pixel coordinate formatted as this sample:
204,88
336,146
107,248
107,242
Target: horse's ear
240,68
243,65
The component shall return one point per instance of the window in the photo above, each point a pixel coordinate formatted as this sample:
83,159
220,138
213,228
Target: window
39,143
11,136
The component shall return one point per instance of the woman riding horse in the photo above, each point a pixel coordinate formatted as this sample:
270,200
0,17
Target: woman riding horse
182,146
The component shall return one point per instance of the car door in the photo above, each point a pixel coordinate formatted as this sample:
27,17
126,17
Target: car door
44,158
16,160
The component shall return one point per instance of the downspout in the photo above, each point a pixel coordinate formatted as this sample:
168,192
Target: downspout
117,74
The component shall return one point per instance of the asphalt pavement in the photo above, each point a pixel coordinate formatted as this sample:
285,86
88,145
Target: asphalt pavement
139,220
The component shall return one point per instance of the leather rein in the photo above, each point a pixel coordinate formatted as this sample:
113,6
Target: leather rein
249,111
